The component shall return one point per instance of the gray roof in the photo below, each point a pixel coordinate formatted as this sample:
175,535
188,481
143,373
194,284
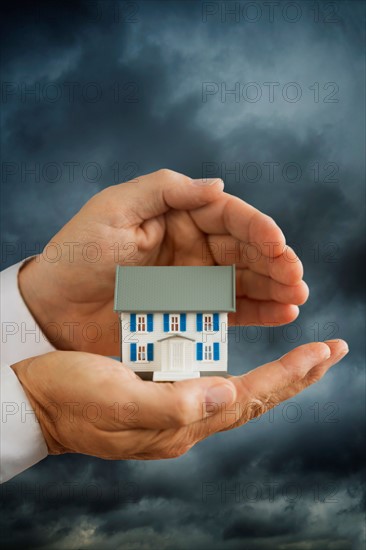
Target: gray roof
175,288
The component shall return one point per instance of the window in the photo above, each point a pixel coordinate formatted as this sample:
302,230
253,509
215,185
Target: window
141,323
174,323
207,322
207,352
141,352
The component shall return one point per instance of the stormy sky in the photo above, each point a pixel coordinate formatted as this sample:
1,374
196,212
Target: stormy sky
271,99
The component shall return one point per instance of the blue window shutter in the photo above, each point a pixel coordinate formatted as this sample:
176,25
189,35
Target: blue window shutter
133,322
183,323
150,324
132,352
216,322
166,322
199,322
216,351
199,351
150,352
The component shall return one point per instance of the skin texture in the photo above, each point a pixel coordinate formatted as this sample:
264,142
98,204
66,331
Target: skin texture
91,404
164,218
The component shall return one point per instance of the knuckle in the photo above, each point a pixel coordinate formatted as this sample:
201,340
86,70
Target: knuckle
179,450
255,408
182,411
313,376
105,196
165,173
173,453
258,407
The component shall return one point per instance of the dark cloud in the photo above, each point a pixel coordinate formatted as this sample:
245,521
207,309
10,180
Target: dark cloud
273,483
247,528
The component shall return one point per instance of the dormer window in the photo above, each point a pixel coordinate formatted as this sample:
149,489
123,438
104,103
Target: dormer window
207,322
174,322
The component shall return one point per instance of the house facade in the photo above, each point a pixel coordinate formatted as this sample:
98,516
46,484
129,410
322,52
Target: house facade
173,319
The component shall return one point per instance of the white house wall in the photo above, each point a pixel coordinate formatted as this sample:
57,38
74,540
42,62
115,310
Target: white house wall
128,337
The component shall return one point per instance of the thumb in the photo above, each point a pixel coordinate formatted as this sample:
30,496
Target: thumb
156,193
173,405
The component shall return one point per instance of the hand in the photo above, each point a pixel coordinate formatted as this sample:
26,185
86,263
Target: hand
93,405
164,218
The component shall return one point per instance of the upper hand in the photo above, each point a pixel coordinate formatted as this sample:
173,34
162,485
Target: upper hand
164,218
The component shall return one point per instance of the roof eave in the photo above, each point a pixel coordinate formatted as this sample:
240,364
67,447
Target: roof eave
175,310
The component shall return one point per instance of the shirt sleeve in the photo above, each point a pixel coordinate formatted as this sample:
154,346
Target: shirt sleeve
21,440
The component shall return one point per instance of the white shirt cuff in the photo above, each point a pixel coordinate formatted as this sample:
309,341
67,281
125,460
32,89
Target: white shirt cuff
21,443
21,440
21,337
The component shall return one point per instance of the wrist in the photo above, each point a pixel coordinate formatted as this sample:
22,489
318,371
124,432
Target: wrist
36,286
26,372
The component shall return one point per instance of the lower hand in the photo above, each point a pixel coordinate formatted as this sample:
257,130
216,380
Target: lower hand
93,405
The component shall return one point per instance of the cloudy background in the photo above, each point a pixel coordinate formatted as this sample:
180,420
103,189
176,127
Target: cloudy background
122,90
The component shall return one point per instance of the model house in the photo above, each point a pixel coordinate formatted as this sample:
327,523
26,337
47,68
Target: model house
174,319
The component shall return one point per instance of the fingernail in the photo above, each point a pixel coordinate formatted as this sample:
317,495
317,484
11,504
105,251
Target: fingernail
207,181
221,393
345,348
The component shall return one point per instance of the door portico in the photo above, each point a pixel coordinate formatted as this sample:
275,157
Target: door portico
176,363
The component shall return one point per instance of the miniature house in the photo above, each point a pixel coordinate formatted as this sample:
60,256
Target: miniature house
173,319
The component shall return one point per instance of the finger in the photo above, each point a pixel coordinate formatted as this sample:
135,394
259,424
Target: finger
260,287
279,374
285,268
262,313
154,194
224,416
261,385
230,215
338,349
173,405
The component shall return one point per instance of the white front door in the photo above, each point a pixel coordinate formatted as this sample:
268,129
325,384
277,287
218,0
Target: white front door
176,359
176,362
